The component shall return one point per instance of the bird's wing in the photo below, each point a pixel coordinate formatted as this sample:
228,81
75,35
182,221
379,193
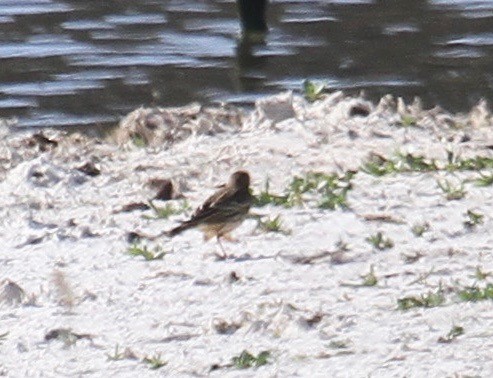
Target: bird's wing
221,200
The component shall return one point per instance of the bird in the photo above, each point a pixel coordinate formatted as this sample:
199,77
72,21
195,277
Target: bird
222,212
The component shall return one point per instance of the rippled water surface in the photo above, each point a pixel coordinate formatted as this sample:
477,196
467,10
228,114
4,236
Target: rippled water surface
89,62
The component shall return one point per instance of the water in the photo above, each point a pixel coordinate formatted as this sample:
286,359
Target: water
90,62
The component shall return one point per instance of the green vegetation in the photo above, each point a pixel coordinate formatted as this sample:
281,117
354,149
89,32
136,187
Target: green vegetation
169,209
452,192
419,229
481,275
329,190
484,180
135,250
272,225
246,360
455,332
473,219
265,197
428,300
476,293
379,165
472,164
379,241
370,279
367,280
155,362
117,355
138,140
408,120
313,91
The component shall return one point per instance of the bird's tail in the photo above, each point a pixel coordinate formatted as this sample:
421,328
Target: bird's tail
177,230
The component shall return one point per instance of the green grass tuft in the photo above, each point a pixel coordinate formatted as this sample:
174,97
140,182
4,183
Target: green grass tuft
480,274
408,120
484,180
155,362
247,360
431,299
265,197
168,209
379,241
472,164
419,229
451,192
313,91
369,279
138,140
455,332
328,190
272,225
379,165
135,250
116,355
476,293
473,219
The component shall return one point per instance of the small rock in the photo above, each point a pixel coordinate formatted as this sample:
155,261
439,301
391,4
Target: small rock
89,169
41,141
66,336
134,236
165,189
233,277
43,175
11,293
134,206
360,109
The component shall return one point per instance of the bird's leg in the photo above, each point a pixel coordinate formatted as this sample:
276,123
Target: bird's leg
224,255
230,238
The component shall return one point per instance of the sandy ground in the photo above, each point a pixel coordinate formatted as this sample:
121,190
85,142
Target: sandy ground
298,295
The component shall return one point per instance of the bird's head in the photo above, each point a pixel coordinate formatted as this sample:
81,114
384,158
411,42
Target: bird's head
240,180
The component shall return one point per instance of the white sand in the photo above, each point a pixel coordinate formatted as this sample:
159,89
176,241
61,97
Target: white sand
178,307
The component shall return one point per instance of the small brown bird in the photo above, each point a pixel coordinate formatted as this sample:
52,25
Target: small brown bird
222,212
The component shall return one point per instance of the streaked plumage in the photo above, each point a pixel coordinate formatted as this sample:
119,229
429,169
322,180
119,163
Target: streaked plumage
223,211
